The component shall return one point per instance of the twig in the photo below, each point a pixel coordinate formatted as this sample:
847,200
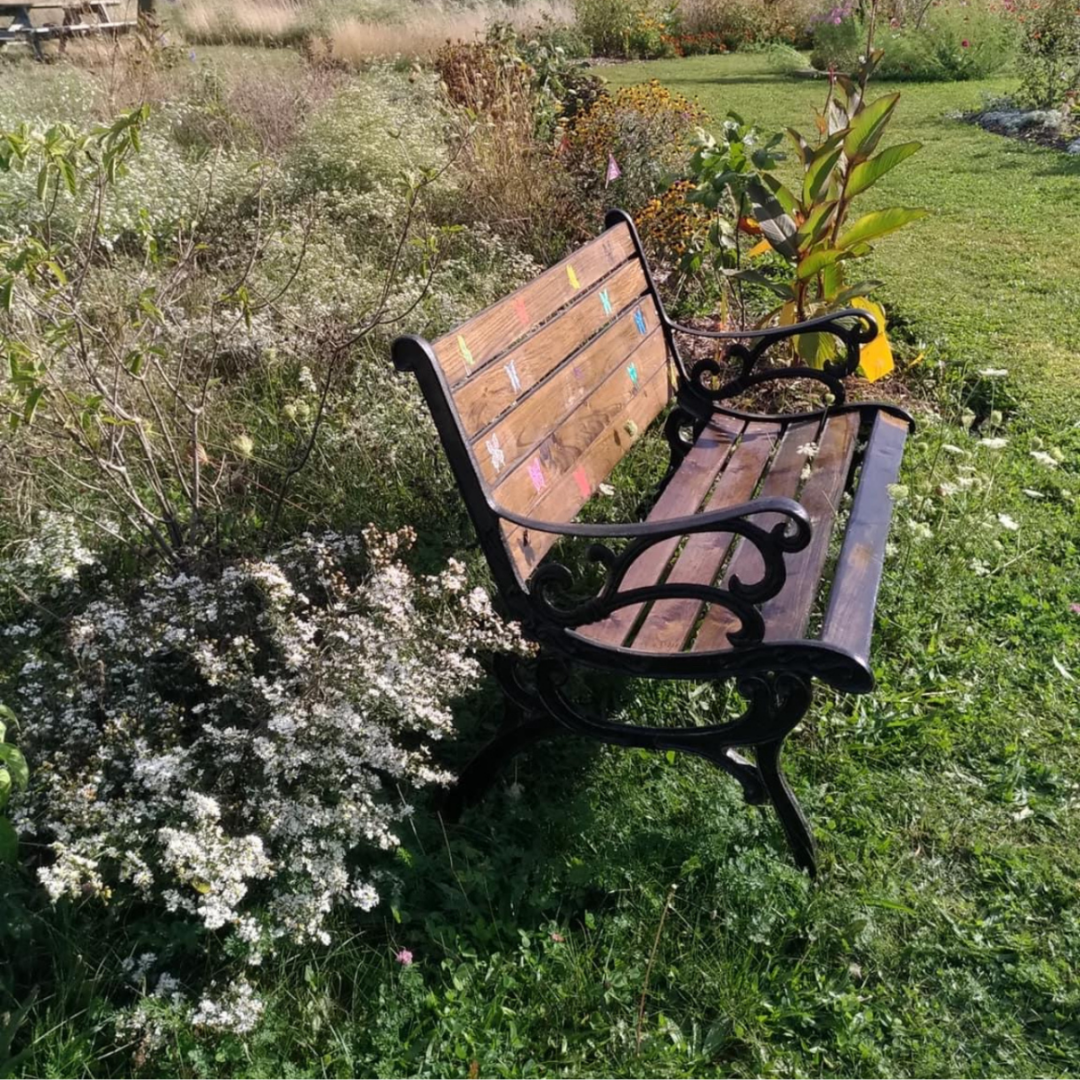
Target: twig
649,967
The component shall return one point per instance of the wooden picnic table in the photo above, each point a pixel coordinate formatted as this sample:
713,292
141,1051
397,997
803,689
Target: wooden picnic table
23,27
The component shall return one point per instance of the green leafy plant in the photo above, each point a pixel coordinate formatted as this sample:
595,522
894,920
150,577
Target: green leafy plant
808,226
721,170
14,775
940,43
1049,60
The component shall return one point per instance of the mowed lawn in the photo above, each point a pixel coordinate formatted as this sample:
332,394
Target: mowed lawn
994,274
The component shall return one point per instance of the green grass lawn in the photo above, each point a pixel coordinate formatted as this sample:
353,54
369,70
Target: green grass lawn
943,936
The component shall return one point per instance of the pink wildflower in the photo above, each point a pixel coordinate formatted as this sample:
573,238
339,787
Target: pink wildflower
965,44
1075,609
558,937
404,957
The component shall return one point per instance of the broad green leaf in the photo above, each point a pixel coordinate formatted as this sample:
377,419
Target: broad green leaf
867,173
817,261
820,168
784,196
863,288
817,222
867,128
832,280
816,349
878,223
67,170
803,149
30,406
838,119
755,277
9,842
777,225
12,757
5,787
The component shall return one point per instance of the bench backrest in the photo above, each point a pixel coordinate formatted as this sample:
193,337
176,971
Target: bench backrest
551,386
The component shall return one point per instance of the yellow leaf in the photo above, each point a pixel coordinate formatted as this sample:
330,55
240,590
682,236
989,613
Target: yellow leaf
759,248
787,314
876,359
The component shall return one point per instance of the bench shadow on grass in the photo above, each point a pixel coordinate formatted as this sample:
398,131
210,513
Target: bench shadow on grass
558,835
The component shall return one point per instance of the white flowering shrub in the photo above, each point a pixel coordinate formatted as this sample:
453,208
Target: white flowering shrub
233,743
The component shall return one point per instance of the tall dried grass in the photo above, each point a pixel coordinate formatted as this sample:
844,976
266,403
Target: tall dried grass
213,22
356,30
427,28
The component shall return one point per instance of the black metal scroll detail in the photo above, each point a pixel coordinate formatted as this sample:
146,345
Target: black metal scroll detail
539,709
680,421
706,373
776,702
738,597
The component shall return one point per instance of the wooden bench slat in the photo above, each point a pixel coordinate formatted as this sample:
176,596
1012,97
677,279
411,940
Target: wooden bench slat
580,456
696,476
782,479
500,326
787,614
669,623
849,619
557,453
521,431
495,389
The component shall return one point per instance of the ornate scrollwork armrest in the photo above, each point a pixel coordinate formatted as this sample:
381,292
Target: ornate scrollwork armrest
852,326
790,534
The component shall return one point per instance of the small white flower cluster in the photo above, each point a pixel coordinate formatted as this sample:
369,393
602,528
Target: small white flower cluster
227,743
51,557
236,1010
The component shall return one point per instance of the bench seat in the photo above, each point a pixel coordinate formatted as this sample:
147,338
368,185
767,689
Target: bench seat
731,461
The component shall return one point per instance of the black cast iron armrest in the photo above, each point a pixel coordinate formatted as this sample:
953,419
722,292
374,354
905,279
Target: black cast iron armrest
788,535
751,345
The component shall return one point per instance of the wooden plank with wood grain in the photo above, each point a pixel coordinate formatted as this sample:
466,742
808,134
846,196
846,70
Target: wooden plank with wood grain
670,623
578,461
497,328
849,618
588,381
490,392
787,614
783,479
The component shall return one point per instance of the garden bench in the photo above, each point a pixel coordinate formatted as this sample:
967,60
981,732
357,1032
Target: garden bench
539,397
73,23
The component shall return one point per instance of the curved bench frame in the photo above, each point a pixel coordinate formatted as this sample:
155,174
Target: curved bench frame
766,533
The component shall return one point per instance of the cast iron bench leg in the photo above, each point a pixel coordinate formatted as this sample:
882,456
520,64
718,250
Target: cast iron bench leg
519,731
796,829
